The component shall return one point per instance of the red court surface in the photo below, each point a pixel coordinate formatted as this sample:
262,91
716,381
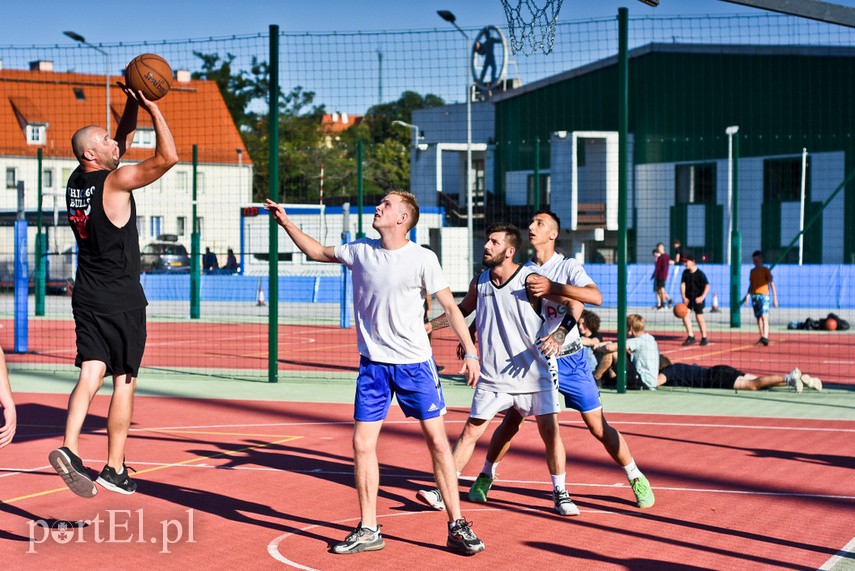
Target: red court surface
268,485
312,348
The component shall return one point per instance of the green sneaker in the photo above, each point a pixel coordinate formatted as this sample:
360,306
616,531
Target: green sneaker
479,489
643,492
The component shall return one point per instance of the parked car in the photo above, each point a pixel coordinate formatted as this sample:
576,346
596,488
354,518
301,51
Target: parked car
161,256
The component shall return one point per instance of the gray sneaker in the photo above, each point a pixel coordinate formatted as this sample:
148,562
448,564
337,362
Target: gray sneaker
563,504
75,475
811,382
360,539
794,380
461,538
432,498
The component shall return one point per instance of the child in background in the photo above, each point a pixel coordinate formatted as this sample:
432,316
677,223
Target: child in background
694,286
759,284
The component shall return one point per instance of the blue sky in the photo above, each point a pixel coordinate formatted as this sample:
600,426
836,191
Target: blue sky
109,23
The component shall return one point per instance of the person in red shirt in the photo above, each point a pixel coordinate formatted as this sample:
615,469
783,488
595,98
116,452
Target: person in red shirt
660,276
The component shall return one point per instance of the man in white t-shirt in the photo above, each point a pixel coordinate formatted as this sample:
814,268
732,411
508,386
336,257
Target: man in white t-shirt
514,374
391,277
563,279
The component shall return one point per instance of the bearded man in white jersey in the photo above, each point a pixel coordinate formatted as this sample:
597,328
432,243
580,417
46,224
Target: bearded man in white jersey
562,279
391,277
514,374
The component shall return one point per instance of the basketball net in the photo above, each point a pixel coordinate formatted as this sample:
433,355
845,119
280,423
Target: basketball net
531,28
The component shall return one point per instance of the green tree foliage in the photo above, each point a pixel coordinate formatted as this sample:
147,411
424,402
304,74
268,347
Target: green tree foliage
304,146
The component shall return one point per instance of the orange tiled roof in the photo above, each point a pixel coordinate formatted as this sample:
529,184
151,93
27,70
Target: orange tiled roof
194,110
335,122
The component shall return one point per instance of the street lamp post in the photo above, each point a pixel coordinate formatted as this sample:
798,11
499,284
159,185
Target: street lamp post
414,128
451,19
78,38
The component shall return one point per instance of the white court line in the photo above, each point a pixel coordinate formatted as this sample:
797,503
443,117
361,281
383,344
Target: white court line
844,557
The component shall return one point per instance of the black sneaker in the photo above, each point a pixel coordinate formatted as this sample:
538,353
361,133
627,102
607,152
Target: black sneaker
114,482
689,341
764,341
670,303
704,341
75,475
461,538
360,539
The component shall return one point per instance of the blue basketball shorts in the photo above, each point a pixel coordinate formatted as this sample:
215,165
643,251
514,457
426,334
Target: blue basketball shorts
416,386
760,304
577,384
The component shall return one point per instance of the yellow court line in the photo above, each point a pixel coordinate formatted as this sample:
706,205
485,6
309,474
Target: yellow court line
182,463
168,431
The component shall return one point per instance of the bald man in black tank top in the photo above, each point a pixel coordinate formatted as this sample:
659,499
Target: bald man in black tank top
108,301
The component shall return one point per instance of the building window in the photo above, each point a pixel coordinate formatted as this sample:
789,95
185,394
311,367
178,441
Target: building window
182,181
200,225
782,180
181,225
144,138
141,226
11,177
155,226
200,183
694,184
79,94
36,134
47,178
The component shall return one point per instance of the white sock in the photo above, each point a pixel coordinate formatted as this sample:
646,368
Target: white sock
490,468
632,471
559,481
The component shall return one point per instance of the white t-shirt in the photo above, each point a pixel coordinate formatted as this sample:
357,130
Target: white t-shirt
644,353
389,288
507,332
565,271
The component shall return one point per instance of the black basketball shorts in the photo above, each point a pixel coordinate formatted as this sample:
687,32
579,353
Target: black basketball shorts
117,339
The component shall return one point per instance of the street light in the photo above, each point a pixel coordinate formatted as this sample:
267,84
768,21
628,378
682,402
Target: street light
78,38
450,18
414,128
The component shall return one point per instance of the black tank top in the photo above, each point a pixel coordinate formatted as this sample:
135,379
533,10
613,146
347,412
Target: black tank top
108,264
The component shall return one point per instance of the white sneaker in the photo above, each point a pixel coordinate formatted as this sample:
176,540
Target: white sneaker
432,498
794,379
812,382
563,504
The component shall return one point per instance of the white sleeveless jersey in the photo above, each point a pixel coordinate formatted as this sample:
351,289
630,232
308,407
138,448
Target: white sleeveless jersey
507,332
565,271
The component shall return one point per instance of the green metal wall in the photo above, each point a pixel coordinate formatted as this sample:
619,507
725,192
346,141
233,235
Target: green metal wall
680,104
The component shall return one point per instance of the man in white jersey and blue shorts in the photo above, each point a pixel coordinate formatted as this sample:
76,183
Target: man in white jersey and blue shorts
563,278
514,375
391,277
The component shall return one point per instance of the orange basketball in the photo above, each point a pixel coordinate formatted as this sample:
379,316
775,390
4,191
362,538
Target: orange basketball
831,324
150,74
681,310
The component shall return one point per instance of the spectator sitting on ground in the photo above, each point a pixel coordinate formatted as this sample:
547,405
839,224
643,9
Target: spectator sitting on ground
643,363
590,337
231,262
726,377
209,261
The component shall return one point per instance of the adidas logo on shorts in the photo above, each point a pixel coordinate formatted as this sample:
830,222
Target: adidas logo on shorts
433,407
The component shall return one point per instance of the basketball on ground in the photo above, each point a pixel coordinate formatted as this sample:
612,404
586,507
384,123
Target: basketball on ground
831,324
681,310
150,74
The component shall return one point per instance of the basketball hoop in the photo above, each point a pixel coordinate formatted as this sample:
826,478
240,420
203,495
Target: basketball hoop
530,27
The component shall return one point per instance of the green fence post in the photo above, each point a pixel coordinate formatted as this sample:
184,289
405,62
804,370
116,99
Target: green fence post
359,191
735,243
623,132
273,193
536,201
195,248
40,245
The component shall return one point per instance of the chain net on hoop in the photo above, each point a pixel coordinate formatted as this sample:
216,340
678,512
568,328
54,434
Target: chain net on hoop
531,27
